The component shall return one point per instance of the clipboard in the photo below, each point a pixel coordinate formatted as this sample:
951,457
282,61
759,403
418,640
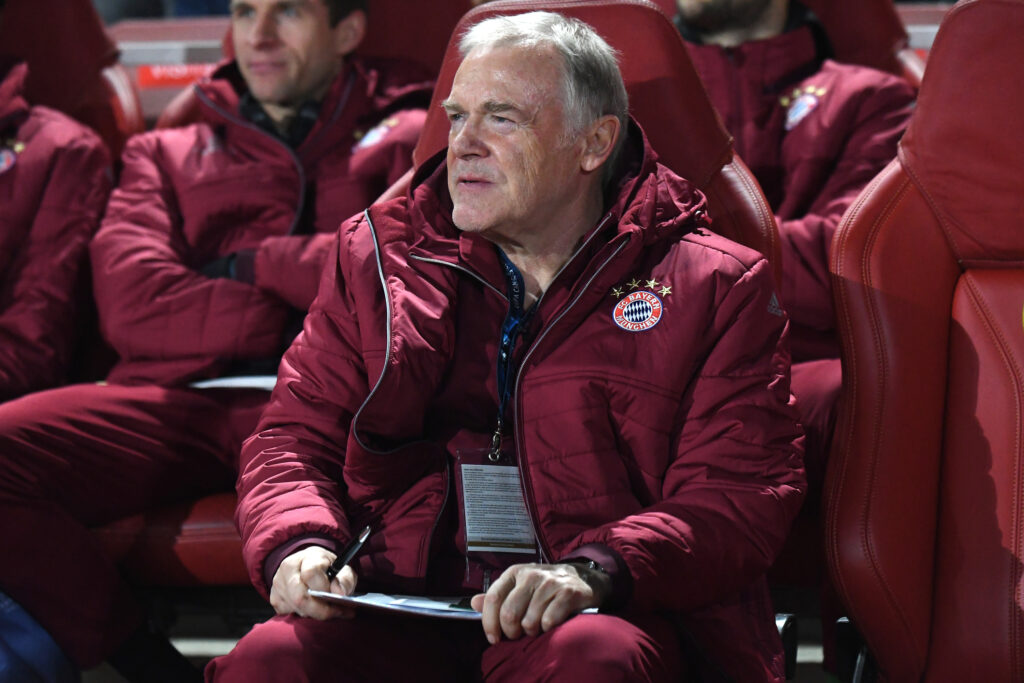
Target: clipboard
416,605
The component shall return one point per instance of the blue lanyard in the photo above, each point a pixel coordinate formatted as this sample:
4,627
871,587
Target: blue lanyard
515,321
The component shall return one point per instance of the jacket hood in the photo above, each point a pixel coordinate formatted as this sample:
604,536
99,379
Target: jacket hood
643,197
13,106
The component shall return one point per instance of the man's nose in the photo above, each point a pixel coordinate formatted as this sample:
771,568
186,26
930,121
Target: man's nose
263,30
464,138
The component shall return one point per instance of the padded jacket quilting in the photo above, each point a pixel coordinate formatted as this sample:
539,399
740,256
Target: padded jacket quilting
191,195
54,185
689,423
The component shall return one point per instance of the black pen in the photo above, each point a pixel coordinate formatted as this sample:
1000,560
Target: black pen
348,553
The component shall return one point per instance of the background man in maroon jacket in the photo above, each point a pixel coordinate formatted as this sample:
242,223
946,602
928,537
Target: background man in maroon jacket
54,182
545,385
207,258
814,132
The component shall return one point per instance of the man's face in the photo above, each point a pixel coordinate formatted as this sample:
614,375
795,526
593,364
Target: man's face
511,168
286,49
712,16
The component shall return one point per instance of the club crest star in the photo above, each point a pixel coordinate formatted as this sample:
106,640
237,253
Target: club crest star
633,284
665,291
651,284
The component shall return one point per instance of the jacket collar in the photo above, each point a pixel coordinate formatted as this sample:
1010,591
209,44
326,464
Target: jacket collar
221,96
776,62
13,107
362,85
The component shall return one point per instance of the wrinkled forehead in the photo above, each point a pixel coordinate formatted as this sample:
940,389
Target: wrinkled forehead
528,77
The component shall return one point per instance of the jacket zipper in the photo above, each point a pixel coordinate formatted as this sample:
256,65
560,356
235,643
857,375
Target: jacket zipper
546,555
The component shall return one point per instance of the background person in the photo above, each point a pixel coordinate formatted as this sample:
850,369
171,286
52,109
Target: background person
55,176
814,133
209,254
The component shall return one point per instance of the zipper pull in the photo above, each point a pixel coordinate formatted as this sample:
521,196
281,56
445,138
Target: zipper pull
495,453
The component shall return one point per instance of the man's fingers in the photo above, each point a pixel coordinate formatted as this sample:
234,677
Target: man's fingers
554,597
313,572
492,604
513,609
345,582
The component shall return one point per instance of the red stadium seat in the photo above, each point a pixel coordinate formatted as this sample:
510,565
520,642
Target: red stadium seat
188,544
666,97
72,65
925,520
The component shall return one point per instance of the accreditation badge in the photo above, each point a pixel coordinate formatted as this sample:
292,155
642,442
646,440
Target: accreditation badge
493,508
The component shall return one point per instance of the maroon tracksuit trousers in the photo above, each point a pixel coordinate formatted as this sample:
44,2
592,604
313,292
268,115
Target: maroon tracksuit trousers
597,648
84,455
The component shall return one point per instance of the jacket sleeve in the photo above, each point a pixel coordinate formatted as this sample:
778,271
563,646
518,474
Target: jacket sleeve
41,298
151,304
871,143
290,266
290,468
736,479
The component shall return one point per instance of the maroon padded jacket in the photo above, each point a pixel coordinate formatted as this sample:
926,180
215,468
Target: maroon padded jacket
54,180
814,134
675,449
191,195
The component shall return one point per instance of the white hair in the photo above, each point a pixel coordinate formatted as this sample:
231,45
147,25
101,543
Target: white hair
591,82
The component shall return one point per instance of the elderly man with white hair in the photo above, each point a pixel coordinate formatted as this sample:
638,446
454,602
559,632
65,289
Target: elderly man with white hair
544,385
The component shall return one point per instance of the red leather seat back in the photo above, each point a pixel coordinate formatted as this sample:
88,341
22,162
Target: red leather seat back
412,30
925,520
867,32
72,65
666,97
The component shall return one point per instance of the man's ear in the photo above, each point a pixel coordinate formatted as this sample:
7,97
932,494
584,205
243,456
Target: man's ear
599,141
349,32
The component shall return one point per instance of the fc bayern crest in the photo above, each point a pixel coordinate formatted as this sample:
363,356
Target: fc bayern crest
638,311
801,107
7,159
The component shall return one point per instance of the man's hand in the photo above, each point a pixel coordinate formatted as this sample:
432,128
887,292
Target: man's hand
530,598
305,570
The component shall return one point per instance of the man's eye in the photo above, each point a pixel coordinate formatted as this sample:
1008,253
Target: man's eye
241,12
455,116
290,11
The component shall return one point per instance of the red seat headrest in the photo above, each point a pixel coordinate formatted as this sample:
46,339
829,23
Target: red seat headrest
965,145
65,45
